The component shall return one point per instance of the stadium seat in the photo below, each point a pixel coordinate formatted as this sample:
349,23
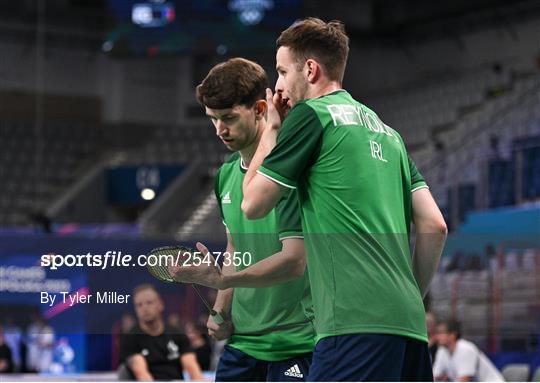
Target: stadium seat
536,376
516,372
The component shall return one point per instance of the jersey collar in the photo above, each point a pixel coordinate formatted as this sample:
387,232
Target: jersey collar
243,167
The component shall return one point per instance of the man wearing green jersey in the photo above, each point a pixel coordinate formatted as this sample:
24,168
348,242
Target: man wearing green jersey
358,191
270,333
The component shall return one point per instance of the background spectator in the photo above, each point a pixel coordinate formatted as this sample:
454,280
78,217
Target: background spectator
13,338
153,350
6,361
460,360
40,343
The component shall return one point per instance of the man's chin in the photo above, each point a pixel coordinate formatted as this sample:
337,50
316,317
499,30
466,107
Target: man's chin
231,148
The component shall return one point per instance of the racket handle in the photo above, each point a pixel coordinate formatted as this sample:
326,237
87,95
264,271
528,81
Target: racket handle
216,317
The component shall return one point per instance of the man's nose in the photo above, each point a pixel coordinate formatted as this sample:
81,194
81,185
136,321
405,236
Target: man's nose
220,128
278,88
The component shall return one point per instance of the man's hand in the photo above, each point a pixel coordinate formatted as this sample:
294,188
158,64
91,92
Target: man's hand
275,115
277,109
221,331
279,103
202,271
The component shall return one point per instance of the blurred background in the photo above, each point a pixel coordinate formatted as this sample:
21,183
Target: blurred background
103,147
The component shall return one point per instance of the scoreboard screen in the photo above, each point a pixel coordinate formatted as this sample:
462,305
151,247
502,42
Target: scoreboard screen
165,27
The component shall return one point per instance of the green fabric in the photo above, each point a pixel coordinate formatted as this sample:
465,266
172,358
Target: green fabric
355,183
287,307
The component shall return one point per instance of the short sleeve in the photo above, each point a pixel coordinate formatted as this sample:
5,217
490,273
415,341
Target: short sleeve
128,346
466,360
417,180
297,147
288,216
218,196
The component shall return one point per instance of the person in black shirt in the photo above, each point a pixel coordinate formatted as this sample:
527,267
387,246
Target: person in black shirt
153,350
6,360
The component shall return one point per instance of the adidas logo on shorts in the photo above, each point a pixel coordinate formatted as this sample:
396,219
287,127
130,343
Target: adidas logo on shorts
294,371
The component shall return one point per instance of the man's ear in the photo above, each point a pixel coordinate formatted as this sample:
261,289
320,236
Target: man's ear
313,70
260,109
161,305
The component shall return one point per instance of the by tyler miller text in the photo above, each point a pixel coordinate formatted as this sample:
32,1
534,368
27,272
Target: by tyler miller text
101,297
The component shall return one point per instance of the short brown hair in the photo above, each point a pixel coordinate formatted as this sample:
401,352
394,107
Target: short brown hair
236,81
327,43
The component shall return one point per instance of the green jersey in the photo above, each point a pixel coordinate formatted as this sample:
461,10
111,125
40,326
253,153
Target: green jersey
271,323
355,183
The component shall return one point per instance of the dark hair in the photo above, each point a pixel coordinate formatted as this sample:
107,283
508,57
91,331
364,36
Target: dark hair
236,81
144,286
453,327
327,43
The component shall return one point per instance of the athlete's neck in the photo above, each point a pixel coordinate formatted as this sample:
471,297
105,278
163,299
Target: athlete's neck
247,153
322,89
153,328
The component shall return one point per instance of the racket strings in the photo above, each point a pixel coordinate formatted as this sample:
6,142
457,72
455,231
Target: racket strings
164,257
168,255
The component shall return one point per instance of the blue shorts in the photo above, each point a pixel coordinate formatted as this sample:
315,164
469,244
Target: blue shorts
236,366
370,357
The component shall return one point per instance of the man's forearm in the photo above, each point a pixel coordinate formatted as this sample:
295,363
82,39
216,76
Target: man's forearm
268,139
262,151
426,257
139,367
260,194
190,364
224,297
431,234
224,301
278,268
